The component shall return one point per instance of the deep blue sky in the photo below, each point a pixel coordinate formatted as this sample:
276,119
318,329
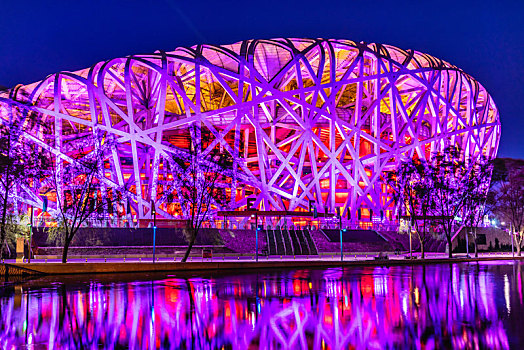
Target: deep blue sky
484,38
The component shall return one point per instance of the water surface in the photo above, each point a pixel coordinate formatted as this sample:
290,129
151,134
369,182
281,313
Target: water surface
475,305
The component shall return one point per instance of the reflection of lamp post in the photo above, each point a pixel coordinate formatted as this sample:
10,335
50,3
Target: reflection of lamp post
152,339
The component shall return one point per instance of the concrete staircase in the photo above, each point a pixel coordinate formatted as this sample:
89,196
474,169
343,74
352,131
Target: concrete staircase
284,241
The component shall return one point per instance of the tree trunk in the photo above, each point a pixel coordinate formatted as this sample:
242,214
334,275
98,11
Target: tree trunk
519,251
66,248
4,248
450,248
2,226
422,251
4,206
2,240
191,242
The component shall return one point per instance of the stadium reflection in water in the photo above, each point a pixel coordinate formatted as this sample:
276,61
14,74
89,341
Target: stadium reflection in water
436,306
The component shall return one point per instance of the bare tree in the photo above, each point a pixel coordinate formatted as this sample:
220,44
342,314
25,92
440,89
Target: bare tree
79,189
201,178
21,166
510,204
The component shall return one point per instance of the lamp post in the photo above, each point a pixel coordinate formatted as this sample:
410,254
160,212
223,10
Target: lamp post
256,237
410,250
154,228
30,235
511,237
340,229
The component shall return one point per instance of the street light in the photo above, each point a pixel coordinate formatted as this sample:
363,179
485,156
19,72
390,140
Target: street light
30,235
256,236
340,229
411,231
153,211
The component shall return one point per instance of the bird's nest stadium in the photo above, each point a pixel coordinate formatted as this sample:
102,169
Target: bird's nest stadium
305,120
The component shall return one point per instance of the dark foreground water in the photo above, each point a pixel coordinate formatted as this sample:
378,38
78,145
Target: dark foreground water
476,305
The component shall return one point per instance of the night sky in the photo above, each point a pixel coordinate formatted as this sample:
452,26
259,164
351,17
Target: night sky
484,38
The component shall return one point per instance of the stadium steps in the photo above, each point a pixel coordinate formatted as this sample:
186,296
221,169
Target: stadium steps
297,249
288,249
303,243
279,241
271,242
284,241
311,244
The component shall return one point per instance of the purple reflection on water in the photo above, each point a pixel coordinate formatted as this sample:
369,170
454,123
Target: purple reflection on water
439,306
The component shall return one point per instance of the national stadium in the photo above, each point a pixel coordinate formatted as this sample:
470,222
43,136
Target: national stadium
308,122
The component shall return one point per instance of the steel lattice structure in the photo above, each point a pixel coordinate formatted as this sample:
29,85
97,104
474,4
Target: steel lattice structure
304,119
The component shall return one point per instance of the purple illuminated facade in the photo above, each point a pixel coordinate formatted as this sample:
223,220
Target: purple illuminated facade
305,120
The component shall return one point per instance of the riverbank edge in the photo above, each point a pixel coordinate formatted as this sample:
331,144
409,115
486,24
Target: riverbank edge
72,268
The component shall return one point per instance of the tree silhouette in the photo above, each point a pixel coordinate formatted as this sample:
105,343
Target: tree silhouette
510,204
79,188
21,167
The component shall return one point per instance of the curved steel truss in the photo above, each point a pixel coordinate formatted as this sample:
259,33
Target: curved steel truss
304,119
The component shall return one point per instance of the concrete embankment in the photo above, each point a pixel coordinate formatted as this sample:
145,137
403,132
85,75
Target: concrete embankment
56,268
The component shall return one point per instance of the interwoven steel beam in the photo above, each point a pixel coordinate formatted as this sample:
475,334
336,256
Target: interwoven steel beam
304,119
